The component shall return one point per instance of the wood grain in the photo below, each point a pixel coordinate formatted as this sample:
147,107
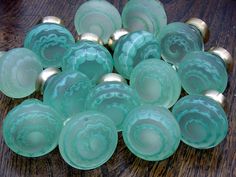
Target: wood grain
18,16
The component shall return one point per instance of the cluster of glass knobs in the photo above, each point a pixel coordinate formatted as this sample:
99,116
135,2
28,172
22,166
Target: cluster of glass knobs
85,105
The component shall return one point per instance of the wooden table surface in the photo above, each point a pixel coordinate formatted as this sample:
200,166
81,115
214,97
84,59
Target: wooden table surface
17,16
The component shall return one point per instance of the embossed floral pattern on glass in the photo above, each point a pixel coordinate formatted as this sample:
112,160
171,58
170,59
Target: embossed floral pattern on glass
90,58
202,121
88,140
134,48
50,42
32,128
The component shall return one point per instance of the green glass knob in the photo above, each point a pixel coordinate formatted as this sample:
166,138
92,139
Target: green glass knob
148,15
90,58
114,98
98,17
202,121
50,41
32,128
134,48
151,132
178,39
88,140
19,69
200,71
156,82
66,92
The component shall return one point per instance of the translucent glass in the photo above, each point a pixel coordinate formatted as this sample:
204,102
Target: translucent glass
178,39
50,42
32,129
202,121
88,140
98,17
19,69
134,48
66,92
151,133
202,71
148,15
90,58
114,99
2,53
156,82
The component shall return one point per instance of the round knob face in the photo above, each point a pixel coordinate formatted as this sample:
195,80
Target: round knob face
88,140
134,48
113,99
98,17
178,39
66,92
156,82
32,129
202,71
151,132
89,58
50,42
19,69
144,15
202,121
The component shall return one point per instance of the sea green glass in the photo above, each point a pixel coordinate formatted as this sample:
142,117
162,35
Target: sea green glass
151,132
66,92
115,99
19,69
201,71
50,42
134,48
2,53
32,128
90,58
148,15
202,121
156,82
178,39
88,140
98,17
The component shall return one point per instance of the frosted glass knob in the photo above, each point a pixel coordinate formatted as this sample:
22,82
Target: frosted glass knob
178,39
148,15
156,82
88,140
98,17
19,69
113,98
134,48
202,121
151,132
201,71
66,92
32,129
90,58
50,41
